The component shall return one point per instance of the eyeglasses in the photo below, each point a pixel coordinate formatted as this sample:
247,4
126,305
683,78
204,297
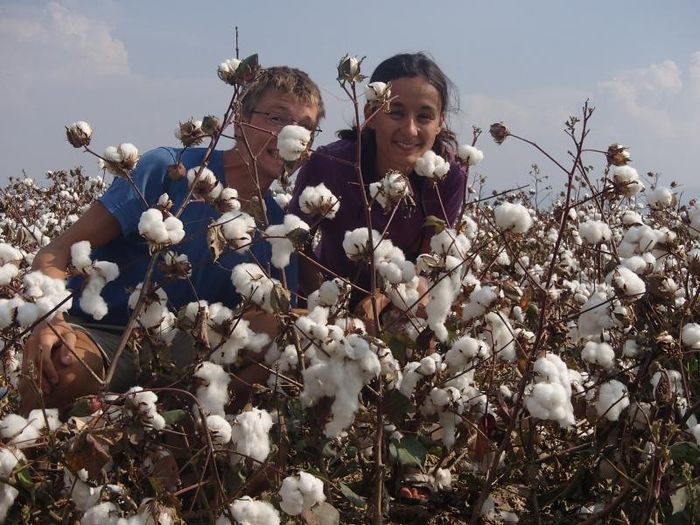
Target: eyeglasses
280,120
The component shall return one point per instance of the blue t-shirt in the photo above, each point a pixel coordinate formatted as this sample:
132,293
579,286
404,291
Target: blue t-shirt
210,280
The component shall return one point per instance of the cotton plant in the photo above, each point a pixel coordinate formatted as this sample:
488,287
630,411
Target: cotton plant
284,239
319,201
97,275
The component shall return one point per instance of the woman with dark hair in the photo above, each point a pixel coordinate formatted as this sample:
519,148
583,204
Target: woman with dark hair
393,139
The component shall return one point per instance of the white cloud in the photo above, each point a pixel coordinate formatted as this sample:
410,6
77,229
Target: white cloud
55,42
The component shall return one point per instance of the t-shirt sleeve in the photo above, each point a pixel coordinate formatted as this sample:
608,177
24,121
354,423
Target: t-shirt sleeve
149,176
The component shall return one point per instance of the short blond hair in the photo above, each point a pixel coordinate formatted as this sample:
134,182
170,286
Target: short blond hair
287,80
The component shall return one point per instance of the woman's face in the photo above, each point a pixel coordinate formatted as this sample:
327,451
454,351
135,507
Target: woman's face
405,132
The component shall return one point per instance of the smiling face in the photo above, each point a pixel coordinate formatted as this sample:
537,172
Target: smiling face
409,128
258,129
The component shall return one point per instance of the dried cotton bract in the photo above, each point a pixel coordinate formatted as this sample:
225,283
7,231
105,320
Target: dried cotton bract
292,142
432,166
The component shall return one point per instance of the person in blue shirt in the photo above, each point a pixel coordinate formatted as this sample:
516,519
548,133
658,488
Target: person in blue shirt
60,349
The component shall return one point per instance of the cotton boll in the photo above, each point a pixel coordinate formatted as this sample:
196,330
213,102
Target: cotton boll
142,404
463,351
690,335
660,198
595,316
44,419
549,395
319,200
595,232
500,337
18,431
247,511
212,392
203,181
449,242
626,282
282,246
470,154
600,354
612,400
253,284
238,228
695,431
9,458
292,141
104,513
377,91
355,243
630,348
219,428
432,166
513,217
250,435
300,493
626,180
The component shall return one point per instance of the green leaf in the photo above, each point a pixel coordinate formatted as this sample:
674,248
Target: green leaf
435,222
409,451
685,451
352,497
24,479
174,416
397,407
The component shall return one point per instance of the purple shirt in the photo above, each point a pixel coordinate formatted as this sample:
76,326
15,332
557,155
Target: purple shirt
406,230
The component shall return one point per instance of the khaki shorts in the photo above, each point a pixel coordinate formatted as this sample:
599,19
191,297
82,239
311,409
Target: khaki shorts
128,372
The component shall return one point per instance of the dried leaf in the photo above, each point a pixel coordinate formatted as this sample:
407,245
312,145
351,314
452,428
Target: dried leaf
216,241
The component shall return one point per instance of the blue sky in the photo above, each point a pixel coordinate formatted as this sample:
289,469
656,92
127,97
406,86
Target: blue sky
133,69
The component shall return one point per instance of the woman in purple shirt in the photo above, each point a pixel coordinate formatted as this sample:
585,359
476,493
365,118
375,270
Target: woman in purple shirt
393,139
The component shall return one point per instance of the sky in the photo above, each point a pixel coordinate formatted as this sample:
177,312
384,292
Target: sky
134,69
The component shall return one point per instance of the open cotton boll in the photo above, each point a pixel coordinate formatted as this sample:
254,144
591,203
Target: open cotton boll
203,184
247,511
253,285
121,158
80,255
46,294
449,242
595,232
250,435
660,197
319,200
548,397
596,315
626,180
612,400
212,390
219,428
238,228
44,419
142,403
18,431
10,258
388,191
292,141
690,335
105,513
377,90
463,352
600,354
9,457
500,337
355,243
480,300
432,166
626,282
470,154
159,231
300,493
512,217
282,246
695,431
